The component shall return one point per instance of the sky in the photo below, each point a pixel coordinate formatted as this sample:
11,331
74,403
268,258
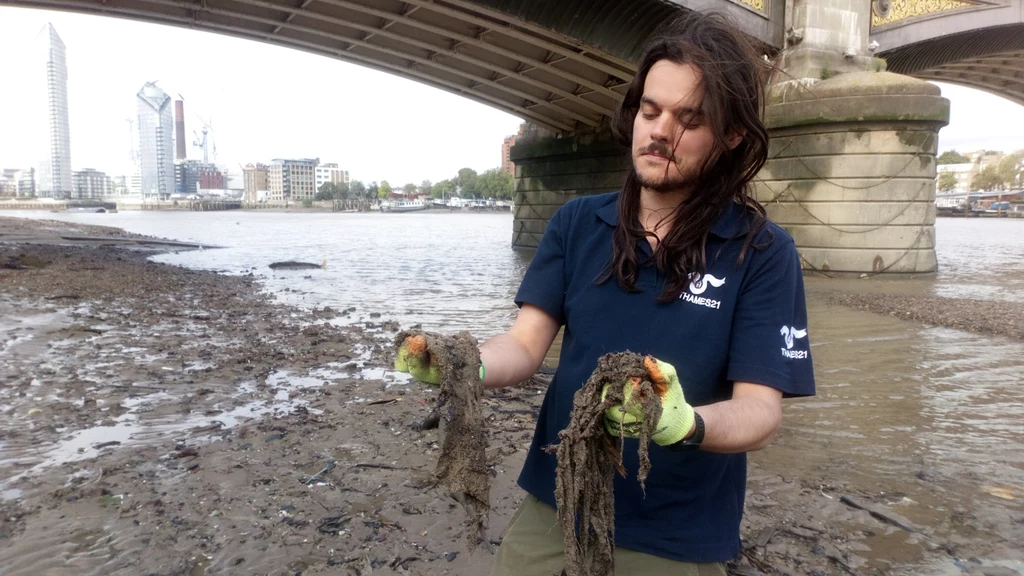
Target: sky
266,102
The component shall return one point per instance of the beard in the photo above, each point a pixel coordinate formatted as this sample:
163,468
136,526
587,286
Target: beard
671,179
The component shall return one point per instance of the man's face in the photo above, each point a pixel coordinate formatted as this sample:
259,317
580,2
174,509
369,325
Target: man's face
671,138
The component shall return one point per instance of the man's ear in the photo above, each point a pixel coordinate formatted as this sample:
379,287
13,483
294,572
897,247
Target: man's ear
735,138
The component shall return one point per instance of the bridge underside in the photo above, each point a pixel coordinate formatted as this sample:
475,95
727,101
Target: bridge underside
562,66
990,59
471,48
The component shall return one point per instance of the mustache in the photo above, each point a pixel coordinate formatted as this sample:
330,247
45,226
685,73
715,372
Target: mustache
658,148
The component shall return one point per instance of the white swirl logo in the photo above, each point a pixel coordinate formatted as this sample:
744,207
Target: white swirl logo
789,334
700,283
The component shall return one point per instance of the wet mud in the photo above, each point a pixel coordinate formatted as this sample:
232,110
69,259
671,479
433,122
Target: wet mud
588,459
980,316
160,420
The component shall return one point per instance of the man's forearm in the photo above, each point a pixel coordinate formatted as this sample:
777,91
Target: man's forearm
506,361
738,425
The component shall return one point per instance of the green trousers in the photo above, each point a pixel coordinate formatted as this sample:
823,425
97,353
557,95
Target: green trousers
533,546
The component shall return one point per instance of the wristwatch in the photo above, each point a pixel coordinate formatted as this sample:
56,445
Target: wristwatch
693,442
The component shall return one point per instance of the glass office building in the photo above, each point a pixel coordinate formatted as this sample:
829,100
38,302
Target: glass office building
53,172
156,151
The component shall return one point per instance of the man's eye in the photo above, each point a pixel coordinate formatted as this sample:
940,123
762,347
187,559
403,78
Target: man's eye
648,116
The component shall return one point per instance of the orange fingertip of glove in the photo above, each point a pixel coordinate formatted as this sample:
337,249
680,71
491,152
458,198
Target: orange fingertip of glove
657,378
417,345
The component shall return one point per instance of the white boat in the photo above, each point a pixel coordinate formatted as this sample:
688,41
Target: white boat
403,206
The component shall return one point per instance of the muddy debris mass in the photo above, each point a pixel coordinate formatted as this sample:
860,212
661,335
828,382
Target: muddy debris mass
462,463
588,459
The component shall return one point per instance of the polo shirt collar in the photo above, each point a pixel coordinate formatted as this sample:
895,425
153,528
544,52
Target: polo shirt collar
731,223
610,212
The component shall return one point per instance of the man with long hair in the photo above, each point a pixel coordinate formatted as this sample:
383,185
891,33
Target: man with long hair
682,266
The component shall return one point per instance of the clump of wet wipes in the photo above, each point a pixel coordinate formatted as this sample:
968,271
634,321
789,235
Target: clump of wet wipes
588,458
462,466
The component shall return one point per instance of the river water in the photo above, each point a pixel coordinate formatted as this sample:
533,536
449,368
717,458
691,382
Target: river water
931,415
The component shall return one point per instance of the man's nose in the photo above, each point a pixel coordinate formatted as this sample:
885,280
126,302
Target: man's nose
662,128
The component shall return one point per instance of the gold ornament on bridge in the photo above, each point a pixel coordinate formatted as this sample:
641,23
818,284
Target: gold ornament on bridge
755,4
884,12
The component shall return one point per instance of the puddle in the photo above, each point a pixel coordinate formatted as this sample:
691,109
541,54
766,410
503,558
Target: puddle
21,329
12,342
357,368
281,378
10,494
953,567
382,374
130,428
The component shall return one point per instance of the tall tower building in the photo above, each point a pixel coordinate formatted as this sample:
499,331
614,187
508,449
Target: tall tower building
156,154
53,173
507,165
179,130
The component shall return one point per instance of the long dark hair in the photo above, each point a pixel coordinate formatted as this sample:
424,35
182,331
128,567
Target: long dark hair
733,77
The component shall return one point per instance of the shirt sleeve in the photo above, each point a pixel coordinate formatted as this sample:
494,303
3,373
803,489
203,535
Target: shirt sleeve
544,283
769,343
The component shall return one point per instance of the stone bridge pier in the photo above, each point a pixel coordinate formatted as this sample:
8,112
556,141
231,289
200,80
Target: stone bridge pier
550,171
851,170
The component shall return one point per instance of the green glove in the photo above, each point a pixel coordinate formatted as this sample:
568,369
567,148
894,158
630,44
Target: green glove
676,415
414,358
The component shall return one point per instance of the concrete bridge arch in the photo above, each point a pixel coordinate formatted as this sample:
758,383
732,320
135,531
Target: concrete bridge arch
976,44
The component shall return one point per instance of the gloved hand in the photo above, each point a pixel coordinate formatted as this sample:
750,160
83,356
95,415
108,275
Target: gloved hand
676,415
414,358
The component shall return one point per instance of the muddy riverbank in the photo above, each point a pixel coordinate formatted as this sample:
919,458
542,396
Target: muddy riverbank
161,420
980,316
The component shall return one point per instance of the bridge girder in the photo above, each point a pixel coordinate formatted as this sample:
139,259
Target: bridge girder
1000,82
990,59
1014,69
1004,81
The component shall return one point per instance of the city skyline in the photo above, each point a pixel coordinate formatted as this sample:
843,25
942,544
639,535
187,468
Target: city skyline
377,126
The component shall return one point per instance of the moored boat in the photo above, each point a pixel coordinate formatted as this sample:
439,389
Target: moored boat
403,206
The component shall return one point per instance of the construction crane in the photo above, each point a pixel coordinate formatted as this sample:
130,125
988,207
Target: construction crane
204,143
131,139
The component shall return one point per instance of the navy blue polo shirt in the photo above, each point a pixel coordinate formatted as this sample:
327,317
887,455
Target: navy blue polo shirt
745,322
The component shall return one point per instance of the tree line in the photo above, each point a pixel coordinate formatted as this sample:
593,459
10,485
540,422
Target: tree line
1007,173
493,183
